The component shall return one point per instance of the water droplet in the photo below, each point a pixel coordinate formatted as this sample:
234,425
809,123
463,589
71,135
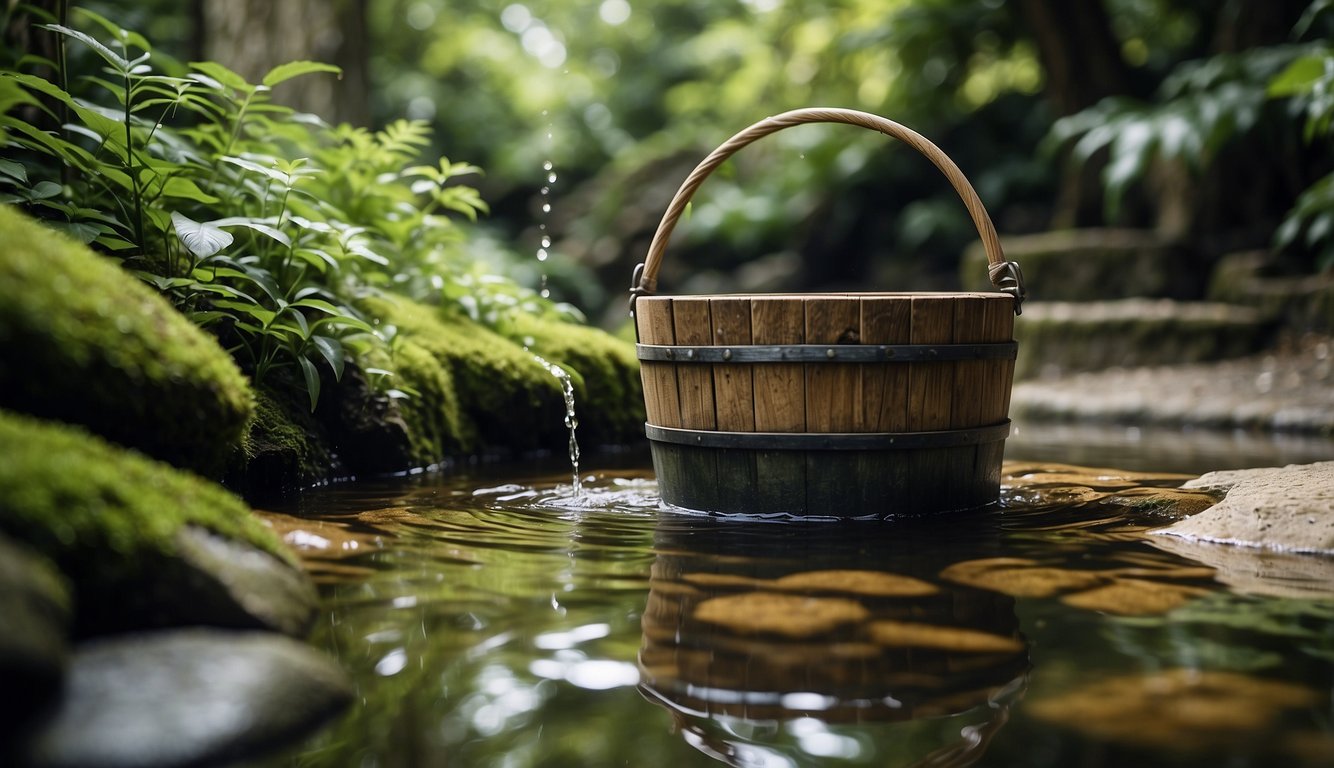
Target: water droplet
542,254
546,207
548,164
546,241
551,177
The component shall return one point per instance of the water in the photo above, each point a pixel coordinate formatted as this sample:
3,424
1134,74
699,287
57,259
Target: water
503,621
571,418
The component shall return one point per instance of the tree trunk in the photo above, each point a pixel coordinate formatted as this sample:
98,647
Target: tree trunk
253,36
1083,65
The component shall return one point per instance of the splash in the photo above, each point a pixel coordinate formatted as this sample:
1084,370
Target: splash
571,419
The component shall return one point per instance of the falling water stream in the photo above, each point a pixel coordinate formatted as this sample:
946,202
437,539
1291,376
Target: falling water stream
571,419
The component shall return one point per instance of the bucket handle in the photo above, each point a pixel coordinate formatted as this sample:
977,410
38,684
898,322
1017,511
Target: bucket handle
1004,275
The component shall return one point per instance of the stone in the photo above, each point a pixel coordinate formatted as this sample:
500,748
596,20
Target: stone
1288,509
1058,338
1091,265
187,697
33,648
143,544
1288,389
238,585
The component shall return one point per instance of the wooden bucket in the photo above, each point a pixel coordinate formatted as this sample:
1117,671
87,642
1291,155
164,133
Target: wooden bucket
847,404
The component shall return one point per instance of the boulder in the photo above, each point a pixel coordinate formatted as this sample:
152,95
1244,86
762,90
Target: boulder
1288,509
143,544
84,342
187,698
33,651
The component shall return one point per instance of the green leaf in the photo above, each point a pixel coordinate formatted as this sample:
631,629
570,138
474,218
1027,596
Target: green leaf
332,351
312,377
182,188
321,305
1298,77
292,69
261,314
258,226
120,64
43,190
202,238
14,170
221,75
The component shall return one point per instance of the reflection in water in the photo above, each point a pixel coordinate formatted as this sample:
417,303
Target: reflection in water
508,623
762,650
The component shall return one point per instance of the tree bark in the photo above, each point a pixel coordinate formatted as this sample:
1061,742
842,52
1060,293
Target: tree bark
253,36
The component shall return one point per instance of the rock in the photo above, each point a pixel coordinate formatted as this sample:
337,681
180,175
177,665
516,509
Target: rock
238,585
1091,265
1063,337
33,651
143,544
1288,509
70,318
185,698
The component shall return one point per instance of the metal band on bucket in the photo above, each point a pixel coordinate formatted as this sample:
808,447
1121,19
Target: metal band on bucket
823,353
829,441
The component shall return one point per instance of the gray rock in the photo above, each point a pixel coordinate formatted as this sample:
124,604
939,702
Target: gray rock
34,604
238,585
187,698
1287,509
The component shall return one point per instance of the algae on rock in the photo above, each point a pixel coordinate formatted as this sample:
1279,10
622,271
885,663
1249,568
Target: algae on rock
83,342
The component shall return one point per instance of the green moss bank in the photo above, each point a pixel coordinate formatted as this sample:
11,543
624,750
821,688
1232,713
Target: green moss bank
478,392
83,342
609,395
108,519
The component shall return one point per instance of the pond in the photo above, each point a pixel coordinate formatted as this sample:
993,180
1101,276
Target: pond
490,618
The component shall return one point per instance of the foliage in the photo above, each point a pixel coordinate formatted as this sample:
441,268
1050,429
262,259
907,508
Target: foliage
1207,105
260,224
1309,82
1200,108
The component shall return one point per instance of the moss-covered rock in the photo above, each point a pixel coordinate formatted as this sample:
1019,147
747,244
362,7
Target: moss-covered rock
34,654
137,539
506,400
285,449
609,395
83,342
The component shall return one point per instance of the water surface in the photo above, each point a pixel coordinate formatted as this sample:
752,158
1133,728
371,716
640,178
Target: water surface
505,622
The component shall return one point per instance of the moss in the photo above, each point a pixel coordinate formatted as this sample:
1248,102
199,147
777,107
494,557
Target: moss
437,427
83,342
609,395
106,516
506,400
284,449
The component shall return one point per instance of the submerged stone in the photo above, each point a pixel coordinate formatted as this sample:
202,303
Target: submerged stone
185,698
1176,709
903,634
787,615
1134,597
84,342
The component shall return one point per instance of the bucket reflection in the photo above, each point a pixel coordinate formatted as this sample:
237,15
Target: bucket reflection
770,643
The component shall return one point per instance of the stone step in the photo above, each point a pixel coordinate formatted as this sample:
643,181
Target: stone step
1287,389
1092,265
1302,302
1057,338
